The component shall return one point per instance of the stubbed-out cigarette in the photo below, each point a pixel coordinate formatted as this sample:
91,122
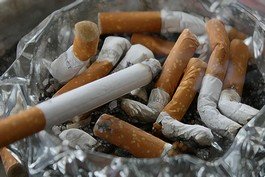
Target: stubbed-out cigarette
85,45
174,111
167,82
187,89
124,135
12,166
229,102
61,108
233,33
213,81
136,54
152,21
157,45
112,49
173,129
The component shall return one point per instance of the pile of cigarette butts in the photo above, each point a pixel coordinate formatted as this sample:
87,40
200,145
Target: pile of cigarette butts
125,66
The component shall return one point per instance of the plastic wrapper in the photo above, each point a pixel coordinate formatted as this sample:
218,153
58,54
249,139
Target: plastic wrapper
27,82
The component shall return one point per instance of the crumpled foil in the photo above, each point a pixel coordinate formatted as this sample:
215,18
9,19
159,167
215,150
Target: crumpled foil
25,84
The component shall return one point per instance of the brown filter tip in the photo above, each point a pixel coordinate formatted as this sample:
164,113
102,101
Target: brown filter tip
124,135
237,67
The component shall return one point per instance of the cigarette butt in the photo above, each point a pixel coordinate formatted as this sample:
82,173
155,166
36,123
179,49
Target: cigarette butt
177,61
112,49
157,45
237,67
96,71
129,22
187,89
218,62
12,166
172,129
86,40
126,136
81,100
25,123
233,33
217,34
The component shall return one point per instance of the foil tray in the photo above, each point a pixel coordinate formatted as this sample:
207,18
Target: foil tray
23,85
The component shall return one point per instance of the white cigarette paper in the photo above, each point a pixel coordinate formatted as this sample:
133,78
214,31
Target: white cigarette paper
176,22
66,66
204,48
113,48
172,128
78,138
90,96
136,54
207,108
147,113
229,105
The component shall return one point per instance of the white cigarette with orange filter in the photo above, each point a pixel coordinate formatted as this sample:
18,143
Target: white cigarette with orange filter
169,119
167,82
64,107
149,21
229,102
213,81
124,135
76,58
111,52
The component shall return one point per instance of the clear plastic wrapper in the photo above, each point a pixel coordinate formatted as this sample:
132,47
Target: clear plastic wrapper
27,82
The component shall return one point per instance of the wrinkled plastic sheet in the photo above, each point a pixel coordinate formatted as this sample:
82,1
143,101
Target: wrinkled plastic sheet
25,83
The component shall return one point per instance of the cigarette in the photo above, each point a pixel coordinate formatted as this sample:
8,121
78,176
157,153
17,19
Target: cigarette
112,49
152,21
233,33
136,54
126,136
167,82
229,102
169,119
76,58
158,46
12,164
187,89
172,129
217,34
213,82
83,99
78,139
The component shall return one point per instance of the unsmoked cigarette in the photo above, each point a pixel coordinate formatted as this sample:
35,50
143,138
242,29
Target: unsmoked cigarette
136,141
86,40
129,22
62,108
235,75
233,33
157,45
12,166
177,61
187,89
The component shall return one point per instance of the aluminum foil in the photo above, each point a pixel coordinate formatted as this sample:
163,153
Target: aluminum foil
28,82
